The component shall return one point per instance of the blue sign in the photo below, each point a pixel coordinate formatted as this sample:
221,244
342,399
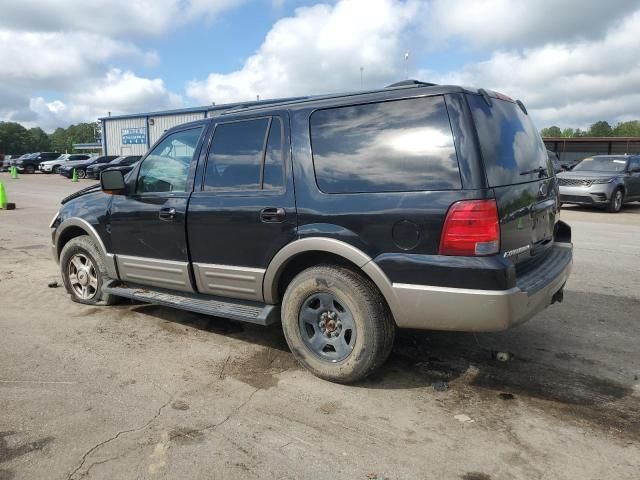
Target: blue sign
134,136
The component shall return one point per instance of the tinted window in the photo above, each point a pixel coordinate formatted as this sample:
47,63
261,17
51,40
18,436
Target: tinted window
403,145
509,142
273,177
235,159
165,169
634,164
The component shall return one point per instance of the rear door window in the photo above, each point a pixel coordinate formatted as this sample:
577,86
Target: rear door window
394,146
512,149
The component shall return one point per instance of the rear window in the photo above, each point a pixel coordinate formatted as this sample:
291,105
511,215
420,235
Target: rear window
512,148
401,145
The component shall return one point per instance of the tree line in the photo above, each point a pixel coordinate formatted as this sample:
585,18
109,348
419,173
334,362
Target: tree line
16,139
598,129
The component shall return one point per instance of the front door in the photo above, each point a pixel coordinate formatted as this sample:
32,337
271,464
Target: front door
148,225
634,178
243,209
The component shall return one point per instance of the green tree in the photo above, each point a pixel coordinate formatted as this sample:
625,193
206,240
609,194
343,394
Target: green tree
14,138
38,140
552,131
568,132
627,129
59,141
600,129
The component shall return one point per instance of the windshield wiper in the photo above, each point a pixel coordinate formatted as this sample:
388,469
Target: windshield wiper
541,171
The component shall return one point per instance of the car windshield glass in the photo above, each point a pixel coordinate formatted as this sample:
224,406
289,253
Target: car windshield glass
601,164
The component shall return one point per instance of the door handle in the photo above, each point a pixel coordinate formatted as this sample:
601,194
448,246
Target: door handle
273,215
167,213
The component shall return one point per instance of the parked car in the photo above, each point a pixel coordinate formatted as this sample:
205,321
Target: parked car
31,163
94,170
606,181
5,162
52,166
81,166
415,206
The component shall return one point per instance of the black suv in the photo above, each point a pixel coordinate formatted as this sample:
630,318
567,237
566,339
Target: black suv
343,216
30,163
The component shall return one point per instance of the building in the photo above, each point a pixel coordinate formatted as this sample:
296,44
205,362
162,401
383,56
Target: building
134,134
577,148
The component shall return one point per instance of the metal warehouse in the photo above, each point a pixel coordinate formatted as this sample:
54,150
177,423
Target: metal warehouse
133,134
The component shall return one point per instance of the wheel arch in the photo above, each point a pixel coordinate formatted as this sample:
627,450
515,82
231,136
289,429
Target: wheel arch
303,253
75,227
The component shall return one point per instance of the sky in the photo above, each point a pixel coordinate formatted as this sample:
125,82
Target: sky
572,62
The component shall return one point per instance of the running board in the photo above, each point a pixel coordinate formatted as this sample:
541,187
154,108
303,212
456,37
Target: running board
241,310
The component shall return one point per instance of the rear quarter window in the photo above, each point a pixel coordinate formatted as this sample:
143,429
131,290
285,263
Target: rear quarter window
509,142
400,145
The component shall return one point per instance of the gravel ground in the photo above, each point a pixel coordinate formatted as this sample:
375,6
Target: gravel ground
137,391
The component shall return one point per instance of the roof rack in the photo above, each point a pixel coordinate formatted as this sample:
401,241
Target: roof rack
410,82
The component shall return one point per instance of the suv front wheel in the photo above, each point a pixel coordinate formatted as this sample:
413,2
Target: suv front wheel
83,272
336,323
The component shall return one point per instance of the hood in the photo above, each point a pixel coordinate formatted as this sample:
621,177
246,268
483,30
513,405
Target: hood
51,162
80,193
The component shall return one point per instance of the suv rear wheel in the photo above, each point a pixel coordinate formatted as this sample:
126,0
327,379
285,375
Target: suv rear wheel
29,169
83,272
336,323
82,173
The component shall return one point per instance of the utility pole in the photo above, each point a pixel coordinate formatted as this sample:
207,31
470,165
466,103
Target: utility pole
361,77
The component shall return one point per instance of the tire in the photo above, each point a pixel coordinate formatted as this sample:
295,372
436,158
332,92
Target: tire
616,201
55,169
82,173
74,251
361,318
29,169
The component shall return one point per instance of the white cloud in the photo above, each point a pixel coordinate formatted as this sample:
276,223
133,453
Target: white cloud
118,92
482,23
321,49
109,17
570,83
52,59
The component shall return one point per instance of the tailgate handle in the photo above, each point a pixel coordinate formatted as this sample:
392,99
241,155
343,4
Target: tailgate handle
272,215
167,213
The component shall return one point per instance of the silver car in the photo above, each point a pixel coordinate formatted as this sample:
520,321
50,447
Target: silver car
604,180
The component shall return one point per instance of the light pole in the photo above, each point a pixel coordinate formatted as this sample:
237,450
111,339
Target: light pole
406,65
361,76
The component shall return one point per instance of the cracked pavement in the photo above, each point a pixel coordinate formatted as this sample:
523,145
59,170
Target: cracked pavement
138,391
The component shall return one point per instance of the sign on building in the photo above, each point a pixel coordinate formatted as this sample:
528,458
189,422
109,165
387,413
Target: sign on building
134,136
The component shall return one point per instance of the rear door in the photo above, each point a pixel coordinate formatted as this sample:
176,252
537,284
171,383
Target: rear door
243,208
520,173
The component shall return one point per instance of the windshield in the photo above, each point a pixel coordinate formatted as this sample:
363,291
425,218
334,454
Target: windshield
602,164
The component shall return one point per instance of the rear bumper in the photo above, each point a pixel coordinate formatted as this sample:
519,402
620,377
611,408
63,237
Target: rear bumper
473,310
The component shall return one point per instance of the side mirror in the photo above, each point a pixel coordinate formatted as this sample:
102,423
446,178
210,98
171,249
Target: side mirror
112,182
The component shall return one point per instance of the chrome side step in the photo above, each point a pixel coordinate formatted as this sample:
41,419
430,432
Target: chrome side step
241,310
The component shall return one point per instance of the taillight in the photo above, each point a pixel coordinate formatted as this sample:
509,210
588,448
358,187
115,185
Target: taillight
471,229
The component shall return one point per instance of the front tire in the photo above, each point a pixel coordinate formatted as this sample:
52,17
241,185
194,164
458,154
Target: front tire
82,173
616,200
29,169
83,272
55,169
336,323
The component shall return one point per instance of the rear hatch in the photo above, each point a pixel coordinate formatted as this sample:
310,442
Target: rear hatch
520,173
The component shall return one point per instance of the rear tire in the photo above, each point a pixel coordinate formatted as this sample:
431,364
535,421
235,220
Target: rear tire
29,169
616,201
82,173
337,324
83,272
